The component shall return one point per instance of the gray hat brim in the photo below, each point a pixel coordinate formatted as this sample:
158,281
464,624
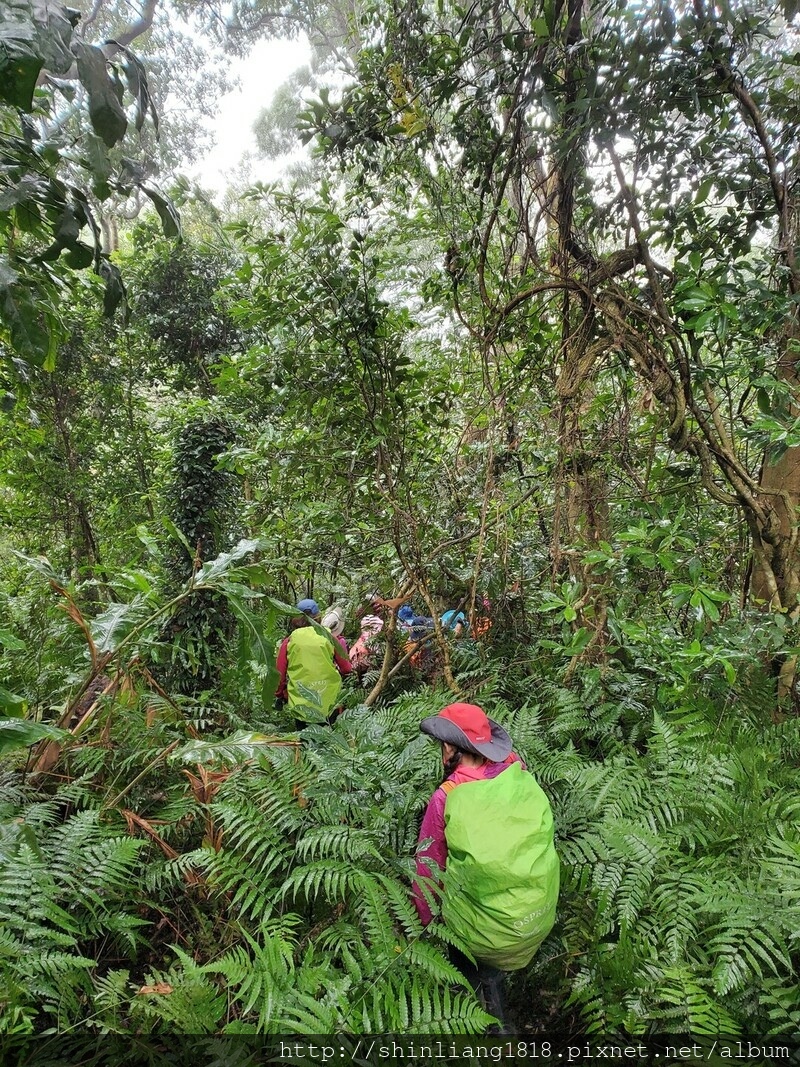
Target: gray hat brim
444,729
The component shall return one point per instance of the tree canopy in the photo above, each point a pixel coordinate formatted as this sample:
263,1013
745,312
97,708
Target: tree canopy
520,342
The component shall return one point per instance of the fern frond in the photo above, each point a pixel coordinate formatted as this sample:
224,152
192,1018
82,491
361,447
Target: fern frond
743,950
28,896
107,867
304,1014
337,881
697,1011
263,976
181,1000
337,842
112,995
251,890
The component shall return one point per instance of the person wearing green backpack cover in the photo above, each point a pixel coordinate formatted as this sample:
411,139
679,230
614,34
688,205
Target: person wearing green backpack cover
486,840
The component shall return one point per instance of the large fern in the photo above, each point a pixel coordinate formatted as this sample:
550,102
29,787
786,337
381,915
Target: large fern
671,851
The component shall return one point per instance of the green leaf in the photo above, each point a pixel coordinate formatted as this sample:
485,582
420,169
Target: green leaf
136,77
18,76
704,189
114,293
709,608
111,627
11,704
550,105
167,212
39,565
105,111
21,733
282,606
237,748
28,216
699,322
8,640
7,273
173,531
579,642
216,568
79,256
27,327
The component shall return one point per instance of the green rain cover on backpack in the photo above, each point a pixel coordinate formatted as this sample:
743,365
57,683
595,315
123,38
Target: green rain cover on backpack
502,874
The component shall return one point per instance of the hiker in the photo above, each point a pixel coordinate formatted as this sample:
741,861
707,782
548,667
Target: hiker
383,607
481,618
362,654
488,829
333,620
413,625
454,622
415,628
310,668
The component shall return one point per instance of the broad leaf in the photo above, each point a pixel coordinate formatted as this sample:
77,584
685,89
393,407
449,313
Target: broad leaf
27,327
114,293
173,531
55,24
9,640
18,78
105,110
21,733
167,212
80,255
12,704
215,569
254,646
7,273
116,622
234,749
136,77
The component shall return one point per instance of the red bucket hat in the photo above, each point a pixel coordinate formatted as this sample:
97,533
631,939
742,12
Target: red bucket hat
469,728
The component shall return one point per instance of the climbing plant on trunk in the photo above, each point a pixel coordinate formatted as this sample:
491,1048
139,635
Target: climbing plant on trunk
201,503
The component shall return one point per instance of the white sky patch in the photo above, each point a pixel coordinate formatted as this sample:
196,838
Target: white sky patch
259,74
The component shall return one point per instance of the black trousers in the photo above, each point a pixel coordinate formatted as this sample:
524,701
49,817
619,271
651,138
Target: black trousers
487,981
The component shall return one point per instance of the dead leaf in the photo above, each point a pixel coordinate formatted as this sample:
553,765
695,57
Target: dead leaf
159,987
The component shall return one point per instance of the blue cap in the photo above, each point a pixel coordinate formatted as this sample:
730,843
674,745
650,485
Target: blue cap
406,613
308,607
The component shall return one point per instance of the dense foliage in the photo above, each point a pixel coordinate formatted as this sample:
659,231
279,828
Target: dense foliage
522,341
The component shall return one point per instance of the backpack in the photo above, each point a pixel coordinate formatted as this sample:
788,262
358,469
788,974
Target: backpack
502,875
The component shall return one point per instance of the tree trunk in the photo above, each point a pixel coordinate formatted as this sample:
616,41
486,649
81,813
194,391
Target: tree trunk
84,548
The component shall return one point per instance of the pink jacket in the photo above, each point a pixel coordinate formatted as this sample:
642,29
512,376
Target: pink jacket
433,826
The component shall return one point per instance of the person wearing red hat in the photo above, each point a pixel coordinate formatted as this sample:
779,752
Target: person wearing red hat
488,833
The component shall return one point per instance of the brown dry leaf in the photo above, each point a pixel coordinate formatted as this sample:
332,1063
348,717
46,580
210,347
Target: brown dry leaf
159,987
74,613
206,786
133,820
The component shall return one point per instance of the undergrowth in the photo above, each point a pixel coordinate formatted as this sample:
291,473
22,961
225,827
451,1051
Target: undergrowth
219,881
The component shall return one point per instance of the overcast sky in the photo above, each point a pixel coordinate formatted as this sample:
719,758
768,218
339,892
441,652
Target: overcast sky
269,64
